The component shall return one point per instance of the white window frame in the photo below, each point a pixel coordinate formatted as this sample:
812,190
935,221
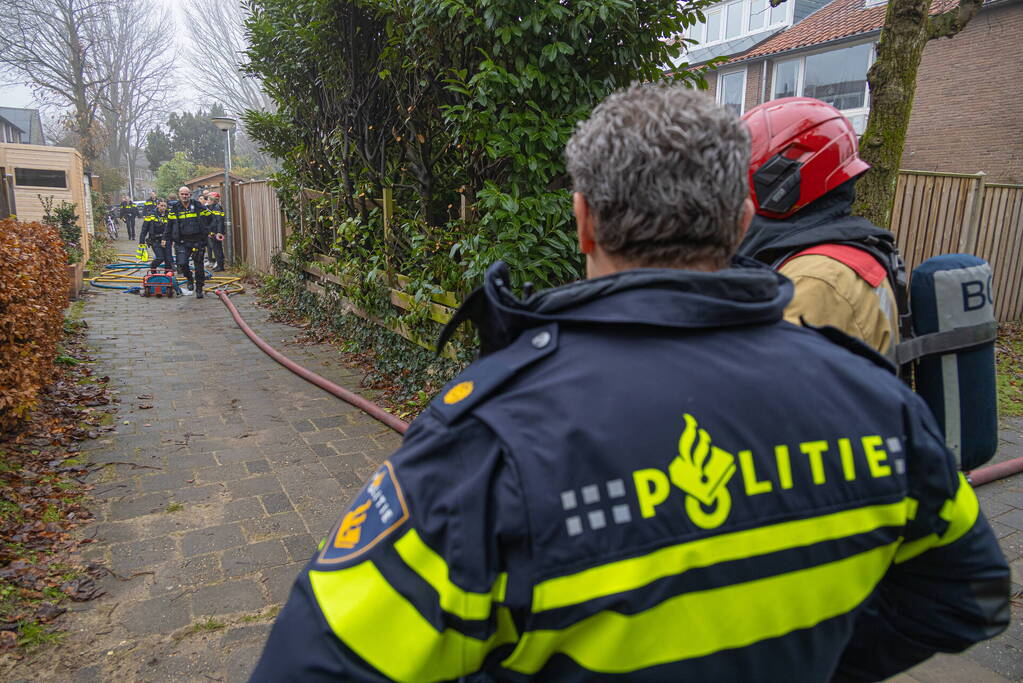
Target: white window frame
719,91
698,31
801,73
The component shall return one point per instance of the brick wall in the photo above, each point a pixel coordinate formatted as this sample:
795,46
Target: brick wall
966,113
753,76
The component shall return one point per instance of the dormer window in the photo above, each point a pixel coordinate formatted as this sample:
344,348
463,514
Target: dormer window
731,20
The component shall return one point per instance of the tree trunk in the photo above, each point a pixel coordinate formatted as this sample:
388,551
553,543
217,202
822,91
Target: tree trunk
907,28
892,81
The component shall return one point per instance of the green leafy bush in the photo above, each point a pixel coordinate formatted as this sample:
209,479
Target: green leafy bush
64,219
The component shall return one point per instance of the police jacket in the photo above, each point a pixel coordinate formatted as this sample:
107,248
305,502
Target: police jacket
157,226
651,476
842,286
149,207
187,224
128,210
214,215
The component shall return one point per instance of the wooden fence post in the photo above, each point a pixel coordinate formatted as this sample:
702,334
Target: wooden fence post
971,217
388,202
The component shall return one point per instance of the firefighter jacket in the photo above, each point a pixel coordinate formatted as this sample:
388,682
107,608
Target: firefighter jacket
186,222
156,225
652,476
841,288
127,209
214,215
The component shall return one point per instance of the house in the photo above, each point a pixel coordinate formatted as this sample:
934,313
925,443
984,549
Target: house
28,122
963,118
211,180
9,132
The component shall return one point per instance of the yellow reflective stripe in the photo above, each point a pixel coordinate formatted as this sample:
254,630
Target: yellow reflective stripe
701,623
387,631
637,572
434,570
961,514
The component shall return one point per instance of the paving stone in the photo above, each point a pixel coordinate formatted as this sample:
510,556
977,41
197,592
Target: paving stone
325,435
346,446
199,570
245,508
254,557
300,547
241,662
274,526
254,486
137,506
129,557
279,580
251,632
951,669
165,481
1013,518
195,494
212,538
158,615
220,473
333,421
303,426
227,597
276,502
114,532
258,466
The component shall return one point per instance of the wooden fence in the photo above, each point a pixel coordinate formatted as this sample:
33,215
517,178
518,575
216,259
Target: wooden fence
940,213
934,213
258,231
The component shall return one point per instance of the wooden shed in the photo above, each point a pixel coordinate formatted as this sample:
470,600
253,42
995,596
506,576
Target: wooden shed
34,170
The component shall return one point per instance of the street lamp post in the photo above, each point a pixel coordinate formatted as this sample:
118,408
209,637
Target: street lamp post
227,124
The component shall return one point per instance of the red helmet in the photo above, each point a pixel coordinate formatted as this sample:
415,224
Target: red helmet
802,149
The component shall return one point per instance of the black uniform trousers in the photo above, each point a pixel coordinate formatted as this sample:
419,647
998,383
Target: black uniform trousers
129,222
161,254
196,250
217,251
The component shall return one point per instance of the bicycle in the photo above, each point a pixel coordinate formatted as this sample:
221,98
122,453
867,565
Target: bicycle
111,227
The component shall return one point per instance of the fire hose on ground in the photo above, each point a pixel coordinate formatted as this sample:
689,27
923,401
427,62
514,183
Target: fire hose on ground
977,477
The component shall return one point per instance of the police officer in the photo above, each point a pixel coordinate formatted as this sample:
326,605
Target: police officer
150,204
156,224
649,473
803,172
188,232
215,228
128,213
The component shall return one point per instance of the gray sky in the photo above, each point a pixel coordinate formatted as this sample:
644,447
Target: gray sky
21,96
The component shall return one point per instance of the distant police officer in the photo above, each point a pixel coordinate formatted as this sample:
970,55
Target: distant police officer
650,474
802,178
156,224
188,231
128,213
215,228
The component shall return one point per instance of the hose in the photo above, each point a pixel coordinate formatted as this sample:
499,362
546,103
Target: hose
990,473
977,477
371,409
124,275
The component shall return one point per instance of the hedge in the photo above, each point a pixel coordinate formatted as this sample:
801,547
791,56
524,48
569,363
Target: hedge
33,295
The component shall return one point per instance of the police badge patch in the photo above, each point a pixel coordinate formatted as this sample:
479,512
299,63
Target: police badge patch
378,510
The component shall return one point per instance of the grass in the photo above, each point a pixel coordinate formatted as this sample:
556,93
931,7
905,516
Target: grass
174,507
1009,369
32,635
207,626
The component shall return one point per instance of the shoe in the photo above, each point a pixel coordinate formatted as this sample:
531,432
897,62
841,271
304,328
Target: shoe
199,294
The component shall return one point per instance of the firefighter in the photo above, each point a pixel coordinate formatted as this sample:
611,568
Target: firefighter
215,228
188,232
156,225
650,473
128,213
803,173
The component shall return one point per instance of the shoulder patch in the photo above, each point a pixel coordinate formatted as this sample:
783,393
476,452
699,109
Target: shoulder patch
378,510
485,375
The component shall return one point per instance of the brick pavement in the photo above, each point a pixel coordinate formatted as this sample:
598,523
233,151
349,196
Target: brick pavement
252,466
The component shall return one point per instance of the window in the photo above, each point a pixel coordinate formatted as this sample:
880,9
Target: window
39,177
838,77
757,14
732,90
735,19
713,26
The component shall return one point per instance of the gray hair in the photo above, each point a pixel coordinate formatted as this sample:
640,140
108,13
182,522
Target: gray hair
664,170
